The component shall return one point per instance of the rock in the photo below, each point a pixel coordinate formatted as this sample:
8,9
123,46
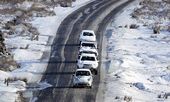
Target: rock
18,13
139,85
168,67
7,63
120,26
38,5
117,97
67,3
126,26
1,37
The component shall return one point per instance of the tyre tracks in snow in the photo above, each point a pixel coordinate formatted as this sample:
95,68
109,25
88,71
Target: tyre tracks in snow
95,16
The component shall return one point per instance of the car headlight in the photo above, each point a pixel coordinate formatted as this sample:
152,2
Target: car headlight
81,64
89,79
76,79
94,65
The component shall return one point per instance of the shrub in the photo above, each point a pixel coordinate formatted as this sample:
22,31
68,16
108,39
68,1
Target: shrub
134,26
127,99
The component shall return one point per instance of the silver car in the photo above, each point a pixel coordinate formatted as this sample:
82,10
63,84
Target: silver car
88,61
87,35
82,77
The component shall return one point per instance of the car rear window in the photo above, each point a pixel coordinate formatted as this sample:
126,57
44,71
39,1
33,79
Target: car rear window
82,73
87,58
88,45
87,34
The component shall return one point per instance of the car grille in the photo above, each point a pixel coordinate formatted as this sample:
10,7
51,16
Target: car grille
83,84
87,65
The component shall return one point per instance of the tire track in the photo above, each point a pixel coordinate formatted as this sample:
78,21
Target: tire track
65,46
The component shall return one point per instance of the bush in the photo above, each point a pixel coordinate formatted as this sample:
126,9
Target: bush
156,29
16,79
134,26
127,99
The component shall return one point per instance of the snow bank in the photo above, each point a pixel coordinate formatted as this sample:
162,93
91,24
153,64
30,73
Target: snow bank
29,53
26,55
8,97
138,61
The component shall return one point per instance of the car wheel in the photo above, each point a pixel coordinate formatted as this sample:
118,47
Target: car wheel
95,72
74,86
90,87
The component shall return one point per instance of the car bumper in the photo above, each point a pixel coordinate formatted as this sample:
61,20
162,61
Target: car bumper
82,84
87,66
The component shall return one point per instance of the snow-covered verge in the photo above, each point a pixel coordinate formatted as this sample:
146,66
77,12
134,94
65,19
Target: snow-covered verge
137,60
30,51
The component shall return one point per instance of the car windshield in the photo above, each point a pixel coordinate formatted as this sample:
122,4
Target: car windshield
87,58
88,45
87,34
82,73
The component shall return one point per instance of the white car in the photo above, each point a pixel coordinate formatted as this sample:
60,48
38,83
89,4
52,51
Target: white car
87,35
82,77
87,44
88,61
88,51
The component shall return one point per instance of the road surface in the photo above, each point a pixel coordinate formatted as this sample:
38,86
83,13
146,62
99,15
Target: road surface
62,63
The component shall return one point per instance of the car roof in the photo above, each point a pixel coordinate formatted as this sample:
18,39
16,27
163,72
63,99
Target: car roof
83,70
87,54
91,42
87,49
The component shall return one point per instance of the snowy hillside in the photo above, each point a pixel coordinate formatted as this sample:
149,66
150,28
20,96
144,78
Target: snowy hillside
138,59
28,29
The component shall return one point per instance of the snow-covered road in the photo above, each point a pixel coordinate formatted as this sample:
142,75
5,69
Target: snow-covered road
136,61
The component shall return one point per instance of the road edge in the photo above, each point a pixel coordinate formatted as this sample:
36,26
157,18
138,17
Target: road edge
100,97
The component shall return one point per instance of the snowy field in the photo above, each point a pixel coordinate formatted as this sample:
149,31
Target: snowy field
137,61
30,53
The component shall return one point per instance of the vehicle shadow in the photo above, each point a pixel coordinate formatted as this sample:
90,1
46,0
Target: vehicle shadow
54,73
44,62
58,73
68,45
50,86
62,87
62,61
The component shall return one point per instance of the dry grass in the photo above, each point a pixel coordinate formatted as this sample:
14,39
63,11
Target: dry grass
44,1
153,14
7,63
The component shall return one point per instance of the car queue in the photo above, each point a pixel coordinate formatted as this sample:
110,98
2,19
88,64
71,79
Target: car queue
87,63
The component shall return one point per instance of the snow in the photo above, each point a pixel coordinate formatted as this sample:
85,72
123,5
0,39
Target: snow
46,25
4,75
13,87
136,61
4,96
29,53
25,5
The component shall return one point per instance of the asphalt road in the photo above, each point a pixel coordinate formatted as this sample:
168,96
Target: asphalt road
62,63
